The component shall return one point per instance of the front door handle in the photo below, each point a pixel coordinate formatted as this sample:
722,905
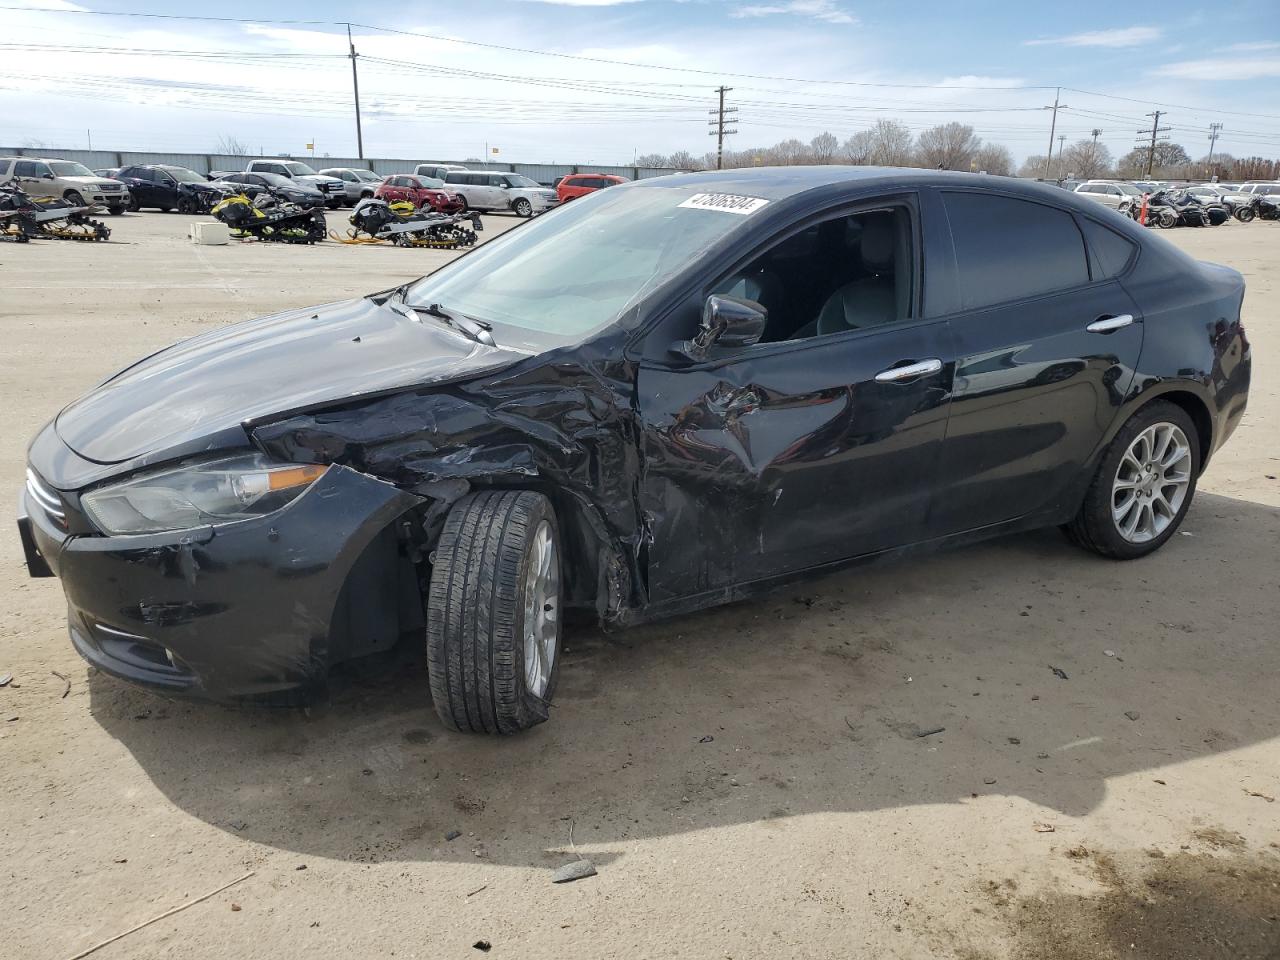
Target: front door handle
910,371
1107,324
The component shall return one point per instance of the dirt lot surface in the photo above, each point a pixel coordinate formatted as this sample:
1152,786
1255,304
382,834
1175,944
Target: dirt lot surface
749,782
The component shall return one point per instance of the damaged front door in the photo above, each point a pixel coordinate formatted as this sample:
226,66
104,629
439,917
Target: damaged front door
818,445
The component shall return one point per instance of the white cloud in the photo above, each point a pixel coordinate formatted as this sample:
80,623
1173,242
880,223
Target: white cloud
1251,47
824,10
585,3
1226,68
1119,37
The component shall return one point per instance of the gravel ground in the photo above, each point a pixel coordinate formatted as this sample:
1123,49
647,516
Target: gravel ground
748,782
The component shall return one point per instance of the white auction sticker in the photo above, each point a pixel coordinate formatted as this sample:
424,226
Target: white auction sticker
725,203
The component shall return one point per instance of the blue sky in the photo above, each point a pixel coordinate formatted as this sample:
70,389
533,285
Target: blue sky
176,84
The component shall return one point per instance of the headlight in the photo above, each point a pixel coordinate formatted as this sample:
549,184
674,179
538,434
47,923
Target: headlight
215,491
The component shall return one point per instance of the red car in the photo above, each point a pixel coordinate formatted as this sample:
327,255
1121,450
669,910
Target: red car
580,184
420,191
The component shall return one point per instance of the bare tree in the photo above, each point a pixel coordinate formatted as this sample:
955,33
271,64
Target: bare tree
652,160
1167,155
994,159
1032,167
890,144
683,160
229,146
1086,160
823,147
950,146
859,147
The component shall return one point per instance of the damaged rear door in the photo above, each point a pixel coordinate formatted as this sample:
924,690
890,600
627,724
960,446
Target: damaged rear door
820,443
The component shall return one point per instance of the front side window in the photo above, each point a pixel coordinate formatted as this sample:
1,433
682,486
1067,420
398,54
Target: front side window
621,247
851,272
1011,249
143,174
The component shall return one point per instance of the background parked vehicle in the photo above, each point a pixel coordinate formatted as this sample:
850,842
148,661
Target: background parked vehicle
1218,193
422,192
580,184
168,188
334,190
1268,188
108,172
357,184
1115,194
437,170
285,188
501,191
65,179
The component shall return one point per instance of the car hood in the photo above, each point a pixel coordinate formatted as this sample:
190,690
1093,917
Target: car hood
265,367
316,179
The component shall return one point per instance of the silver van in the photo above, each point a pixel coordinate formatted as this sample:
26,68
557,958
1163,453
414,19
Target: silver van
437,170
486,190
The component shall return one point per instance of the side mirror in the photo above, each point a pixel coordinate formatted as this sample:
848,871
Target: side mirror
726,322
46,176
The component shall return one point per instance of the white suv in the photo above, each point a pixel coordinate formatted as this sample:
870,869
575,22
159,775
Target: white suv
1117,195
437,170
481,190
65,179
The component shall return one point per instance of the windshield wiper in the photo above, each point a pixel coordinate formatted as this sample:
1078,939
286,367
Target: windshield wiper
477,330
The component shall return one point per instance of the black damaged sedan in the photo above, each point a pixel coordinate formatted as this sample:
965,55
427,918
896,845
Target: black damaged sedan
667,395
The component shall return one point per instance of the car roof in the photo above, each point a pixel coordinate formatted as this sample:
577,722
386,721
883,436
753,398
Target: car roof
783,183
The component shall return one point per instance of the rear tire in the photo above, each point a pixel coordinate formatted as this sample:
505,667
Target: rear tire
493,613
1119,480
134,206
1245,214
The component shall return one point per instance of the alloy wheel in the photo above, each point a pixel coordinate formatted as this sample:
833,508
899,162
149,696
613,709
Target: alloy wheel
541,610
1151,483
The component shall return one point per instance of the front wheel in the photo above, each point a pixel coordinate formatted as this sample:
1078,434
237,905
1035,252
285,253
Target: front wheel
1245,214
186,205
116,209
462,204
74,198
1143,486
493,613
523,208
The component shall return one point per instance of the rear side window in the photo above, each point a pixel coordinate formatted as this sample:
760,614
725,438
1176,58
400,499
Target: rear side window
1010,249
1111,251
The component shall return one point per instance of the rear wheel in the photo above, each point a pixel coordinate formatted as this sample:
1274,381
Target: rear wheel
1143,486
493,613
134,205
1245,214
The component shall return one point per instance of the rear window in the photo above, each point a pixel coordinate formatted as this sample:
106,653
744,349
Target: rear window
1111,251
1010,249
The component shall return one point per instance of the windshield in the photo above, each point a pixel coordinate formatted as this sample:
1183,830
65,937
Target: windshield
68,168
1129,189
299,169
431,182
183,175
368,176
517,180
574,271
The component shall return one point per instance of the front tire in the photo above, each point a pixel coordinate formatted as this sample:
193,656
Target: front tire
74,198
1245,214
523,208
493,613
1143,486
116,209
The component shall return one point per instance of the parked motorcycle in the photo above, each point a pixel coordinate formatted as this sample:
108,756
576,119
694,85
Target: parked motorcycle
1258,206
1161,211
374,220
271,218
24,217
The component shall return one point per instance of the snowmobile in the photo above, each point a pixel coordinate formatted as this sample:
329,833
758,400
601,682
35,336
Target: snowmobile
268,217
374,221
23,217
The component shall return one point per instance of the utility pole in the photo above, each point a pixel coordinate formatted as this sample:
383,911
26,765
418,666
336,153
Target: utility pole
720,132
1053,128
1155,130
355,90
1097,132
1214,129
1062,139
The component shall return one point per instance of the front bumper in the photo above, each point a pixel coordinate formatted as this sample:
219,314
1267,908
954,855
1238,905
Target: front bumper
223,612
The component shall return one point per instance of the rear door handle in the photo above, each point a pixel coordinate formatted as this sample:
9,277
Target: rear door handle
1107,324
921,368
